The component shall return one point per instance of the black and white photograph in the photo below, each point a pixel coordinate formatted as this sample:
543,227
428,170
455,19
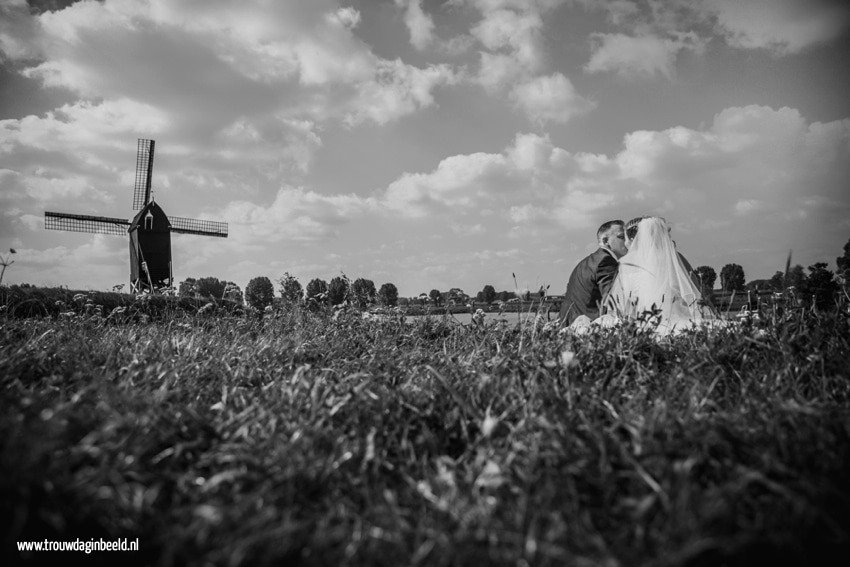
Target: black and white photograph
425,282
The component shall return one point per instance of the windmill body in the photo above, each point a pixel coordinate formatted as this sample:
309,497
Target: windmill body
150,247
149,230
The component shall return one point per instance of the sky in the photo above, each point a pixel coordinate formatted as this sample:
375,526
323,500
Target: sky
430,144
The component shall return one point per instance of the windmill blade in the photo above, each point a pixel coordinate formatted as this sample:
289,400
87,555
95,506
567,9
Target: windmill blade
144,167
194,226
85,223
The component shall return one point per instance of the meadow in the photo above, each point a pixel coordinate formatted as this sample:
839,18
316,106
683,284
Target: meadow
328,438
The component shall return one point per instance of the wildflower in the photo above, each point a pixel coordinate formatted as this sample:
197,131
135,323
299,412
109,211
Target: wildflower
489,424
478,317
79,297
491,476
568,358
205,308
117,311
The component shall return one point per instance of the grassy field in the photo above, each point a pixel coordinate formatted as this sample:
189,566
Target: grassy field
309,439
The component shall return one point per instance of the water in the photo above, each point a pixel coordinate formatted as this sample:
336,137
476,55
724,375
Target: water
466,318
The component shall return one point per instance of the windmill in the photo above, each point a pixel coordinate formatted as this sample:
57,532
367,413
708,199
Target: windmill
149,230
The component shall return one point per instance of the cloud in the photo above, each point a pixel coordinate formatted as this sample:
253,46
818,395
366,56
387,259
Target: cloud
550,98
419,24
283,62
644,55
237,98
294,214
513,60
782,26
750,159
748,206
16,27
100,258
511,36
399,89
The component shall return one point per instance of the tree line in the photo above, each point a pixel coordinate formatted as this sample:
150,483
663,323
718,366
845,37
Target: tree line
260,292
819,285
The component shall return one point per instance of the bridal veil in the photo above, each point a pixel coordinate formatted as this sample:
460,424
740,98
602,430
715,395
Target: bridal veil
652,278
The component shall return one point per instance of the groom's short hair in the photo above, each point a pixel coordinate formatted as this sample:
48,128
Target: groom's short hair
606,226
632,226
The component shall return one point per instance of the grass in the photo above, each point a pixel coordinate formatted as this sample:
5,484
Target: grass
303,438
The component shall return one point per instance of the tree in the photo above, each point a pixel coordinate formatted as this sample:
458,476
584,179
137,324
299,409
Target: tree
364,292
506,295
259,293
290,288
777,281
821,285
187,288
843,263
233,292
707,276
337,290
436,296
317,292
456,295
210,287
488,294
732,278
796,277
759,285
388,295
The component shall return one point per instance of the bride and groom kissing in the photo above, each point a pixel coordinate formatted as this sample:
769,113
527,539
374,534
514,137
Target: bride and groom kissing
636,273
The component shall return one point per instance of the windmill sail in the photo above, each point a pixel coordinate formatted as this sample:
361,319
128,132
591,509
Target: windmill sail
144,167
194,226
149,231
85,223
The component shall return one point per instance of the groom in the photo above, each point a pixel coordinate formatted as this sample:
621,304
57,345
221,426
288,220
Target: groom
593,276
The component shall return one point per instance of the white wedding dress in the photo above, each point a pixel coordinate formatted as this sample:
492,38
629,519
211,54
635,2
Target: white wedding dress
652,279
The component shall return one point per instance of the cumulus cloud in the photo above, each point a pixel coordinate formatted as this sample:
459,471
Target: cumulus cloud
273,75
16,29
419,24
294,214
398,89
104,258
550,98
749,160
513,60
236,96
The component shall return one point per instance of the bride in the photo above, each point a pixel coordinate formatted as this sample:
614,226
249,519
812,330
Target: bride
653,283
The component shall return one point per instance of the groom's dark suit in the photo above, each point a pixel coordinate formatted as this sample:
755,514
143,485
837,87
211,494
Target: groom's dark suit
590,281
